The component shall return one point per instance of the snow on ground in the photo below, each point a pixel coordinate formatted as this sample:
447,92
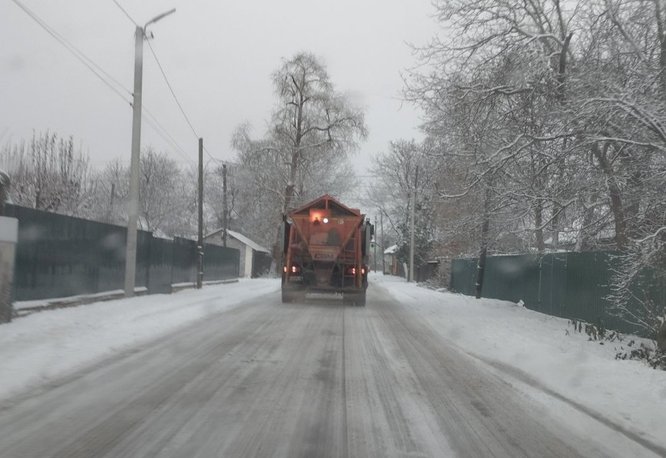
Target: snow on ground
628,393
40,347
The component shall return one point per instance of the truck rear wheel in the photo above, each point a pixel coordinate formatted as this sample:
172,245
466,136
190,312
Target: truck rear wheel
287,296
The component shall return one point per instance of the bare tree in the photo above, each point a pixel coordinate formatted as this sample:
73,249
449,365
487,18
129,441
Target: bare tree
312,119
406,175
306,151
48,174
167,195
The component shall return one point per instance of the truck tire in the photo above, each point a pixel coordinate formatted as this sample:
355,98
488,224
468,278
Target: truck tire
290,295
287,296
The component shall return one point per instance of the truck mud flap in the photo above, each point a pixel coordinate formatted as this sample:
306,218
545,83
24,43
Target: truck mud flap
357,299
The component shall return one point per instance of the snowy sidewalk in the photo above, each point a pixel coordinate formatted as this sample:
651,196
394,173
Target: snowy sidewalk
547,350
40,347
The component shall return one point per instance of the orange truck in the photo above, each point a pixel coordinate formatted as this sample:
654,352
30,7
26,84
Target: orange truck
325,249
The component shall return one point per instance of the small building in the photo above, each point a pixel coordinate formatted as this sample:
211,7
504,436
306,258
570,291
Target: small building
391,264
255,260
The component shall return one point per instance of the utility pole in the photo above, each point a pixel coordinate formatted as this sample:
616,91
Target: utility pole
225,221
109,213
8,239
133,207
485,228
133,211
200,242
381,224
411,227
375,245
4,191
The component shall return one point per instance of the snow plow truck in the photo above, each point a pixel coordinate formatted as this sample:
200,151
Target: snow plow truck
325,249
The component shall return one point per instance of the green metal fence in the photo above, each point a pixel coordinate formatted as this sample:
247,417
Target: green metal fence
60,256
567,285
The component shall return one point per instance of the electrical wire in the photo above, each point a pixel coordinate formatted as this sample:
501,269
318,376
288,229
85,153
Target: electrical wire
173,93
125,12
180,106
108,79
147,115
164,134
78,54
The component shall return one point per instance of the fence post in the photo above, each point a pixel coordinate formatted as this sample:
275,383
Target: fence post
8,239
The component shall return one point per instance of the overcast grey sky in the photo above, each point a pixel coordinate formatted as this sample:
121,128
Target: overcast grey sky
218,56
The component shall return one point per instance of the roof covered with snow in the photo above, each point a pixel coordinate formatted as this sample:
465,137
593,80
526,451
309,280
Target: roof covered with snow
243,239
391,250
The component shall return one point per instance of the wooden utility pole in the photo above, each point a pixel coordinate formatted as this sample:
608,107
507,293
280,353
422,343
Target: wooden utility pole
411,227
485,228
200,243
4,191
109,213
381,224
375,237
225,221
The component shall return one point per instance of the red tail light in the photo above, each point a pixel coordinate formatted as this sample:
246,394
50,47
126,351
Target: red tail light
293,269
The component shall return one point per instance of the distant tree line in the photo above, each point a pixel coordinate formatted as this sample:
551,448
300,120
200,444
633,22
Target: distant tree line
47,172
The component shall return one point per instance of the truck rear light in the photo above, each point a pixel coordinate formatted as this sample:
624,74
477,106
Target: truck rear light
362,270
295,269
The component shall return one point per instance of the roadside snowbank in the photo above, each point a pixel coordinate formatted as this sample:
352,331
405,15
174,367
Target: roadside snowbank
40,347
628,393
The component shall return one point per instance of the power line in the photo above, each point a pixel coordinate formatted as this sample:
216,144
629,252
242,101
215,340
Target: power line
79,55
180,106
148,116
213,158
107,78
125,12
164,133
173,93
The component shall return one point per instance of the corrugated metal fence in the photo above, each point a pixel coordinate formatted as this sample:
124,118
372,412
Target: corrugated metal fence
60,256
567,285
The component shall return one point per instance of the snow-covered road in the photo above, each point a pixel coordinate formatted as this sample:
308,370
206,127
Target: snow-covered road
229,371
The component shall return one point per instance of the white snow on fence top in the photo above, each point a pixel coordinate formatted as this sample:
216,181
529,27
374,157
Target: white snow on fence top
391,250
